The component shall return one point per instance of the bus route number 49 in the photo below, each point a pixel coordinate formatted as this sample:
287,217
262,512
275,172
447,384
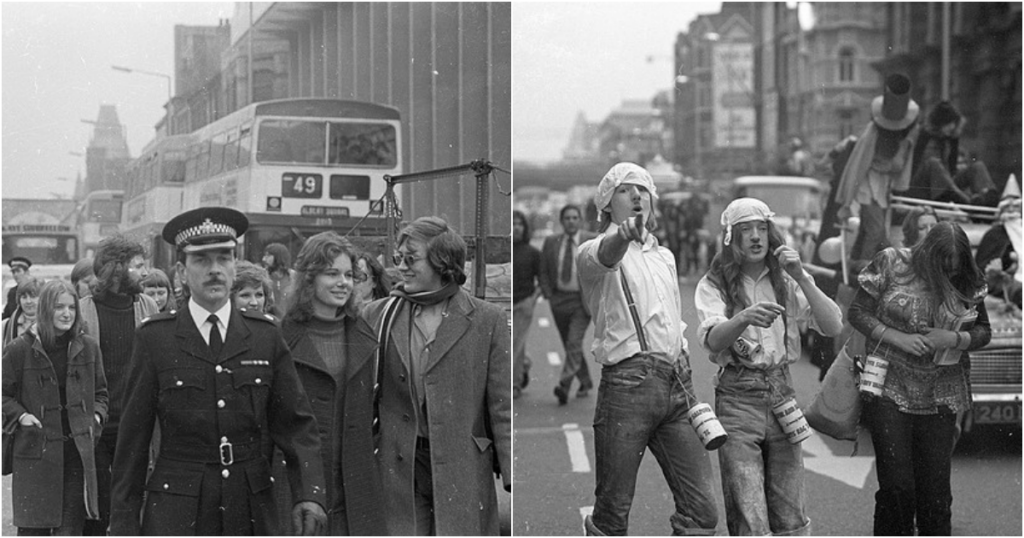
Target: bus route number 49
301,185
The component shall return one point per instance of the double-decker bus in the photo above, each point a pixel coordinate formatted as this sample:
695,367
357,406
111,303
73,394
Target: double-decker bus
99,217
153,197
296,167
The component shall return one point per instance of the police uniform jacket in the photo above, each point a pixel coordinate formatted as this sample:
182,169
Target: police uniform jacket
220,419
469,412
30,385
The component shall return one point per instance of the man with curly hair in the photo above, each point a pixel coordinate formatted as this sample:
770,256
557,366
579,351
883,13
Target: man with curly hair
110,315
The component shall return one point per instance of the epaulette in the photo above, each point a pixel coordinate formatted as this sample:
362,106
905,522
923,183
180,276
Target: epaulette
159,316
254,314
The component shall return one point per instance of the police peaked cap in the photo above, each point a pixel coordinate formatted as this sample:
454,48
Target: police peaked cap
206,228
21,261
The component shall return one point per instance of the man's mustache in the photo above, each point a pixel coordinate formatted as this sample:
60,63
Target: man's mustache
213,281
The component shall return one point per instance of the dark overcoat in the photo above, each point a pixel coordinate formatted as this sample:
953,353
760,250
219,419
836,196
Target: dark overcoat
30,386
468,385
343,410
220,418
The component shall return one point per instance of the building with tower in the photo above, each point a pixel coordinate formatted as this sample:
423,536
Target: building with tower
107,156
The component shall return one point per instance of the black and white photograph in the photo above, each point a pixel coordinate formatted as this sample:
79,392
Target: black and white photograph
766,266
257,268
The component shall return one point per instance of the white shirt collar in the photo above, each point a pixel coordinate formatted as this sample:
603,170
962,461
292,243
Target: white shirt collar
199,314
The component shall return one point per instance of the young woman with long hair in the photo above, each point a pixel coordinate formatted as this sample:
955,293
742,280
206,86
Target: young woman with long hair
378,282
54,367
277,260
914,307
333,350
752,305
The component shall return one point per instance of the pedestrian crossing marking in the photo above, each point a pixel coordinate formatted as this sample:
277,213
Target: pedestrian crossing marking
853,471
577,448
543,322
554,359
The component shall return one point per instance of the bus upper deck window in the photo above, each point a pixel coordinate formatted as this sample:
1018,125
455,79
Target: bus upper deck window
371,144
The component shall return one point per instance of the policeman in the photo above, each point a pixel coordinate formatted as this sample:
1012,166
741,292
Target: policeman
222,384
19,270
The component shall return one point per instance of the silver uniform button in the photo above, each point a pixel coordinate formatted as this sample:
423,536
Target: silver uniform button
225,473
258,381
220,404
167,486
180,383
219,369
224,439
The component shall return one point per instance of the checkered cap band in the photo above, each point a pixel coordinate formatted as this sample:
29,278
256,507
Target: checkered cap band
207,228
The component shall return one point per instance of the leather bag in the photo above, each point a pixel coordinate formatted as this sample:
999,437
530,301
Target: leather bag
835,410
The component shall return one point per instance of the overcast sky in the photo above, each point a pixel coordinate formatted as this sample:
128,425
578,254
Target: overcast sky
567,57
56,72
572,56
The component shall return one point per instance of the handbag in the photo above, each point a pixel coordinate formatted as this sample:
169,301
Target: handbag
835,410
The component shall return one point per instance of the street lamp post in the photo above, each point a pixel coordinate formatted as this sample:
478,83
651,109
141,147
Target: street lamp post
143,72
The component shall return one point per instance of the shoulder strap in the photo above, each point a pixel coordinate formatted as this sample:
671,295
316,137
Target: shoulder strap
383,332
631,303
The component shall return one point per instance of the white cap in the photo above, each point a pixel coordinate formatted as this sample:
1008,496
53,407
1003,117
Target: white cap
622,173
743,210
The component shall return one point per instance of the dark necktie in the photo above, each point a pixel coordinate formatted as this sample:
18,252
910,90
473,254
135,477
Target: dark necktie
567,262
215,340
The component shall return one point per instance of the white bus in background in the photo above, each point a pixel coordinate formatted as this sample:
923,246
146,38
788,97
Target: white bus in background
53,249
153,196
296,167
99,217
44,231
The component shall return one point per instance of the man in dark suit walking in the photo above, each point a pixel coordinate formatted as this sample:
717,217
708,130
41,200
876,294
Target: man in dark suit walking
560,284
224,388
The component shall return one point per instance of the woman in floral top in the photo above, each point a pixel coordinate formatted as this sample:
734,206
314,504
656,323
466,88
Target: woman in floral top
906,307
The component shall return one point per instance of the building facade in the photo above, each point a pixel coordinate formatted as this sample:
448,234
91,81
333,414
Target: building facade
445,66
825,74
970,54
716,107
816,67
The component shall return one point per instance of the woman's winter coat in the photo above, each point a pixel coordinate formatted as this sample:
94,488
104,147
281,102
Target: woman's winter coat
343,410
30,386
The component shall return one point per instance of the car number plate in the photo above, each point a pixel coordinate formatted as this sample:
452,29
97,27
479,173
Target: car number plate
997,413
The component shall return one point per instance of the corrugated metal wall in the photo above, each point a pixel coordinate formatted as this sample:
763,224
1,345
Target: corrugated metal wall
445,66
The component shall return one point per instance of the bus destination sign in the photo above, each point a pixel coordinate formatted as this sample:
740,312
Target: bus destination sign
41,228
323,211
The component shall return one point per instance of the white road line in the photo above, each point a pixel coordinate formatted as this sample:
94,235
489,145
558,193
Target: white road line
543,322
554,359
577,448
584,512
